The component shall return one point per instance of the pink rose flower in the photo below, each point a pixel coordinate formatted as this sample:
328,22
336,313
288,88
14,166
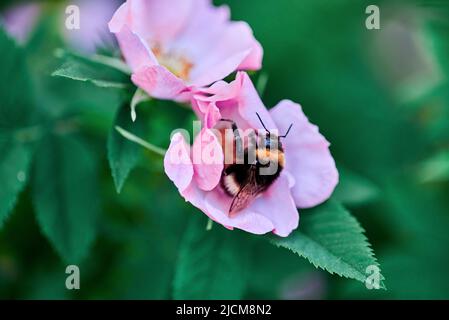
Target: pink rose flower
93,32
308,178
173,46
20,20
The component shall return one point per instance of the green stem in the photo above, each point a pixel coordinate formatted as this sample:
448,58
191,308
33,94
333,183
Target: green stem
131,137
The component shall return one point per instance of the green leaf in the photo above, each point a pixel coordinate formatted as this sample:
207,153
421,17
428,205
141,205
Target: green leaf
123,154
16,99
212,264
65,196
331,239
16,118
14,164
103,72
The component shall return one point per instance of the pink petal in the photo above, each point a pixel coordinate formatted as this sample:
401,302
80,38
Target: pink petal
219,91
217,206
19,20
238,101
119,19
212,115
254,60
277,205
236,44
208,72
216,45
159,21
177,163
133,47
204,26
308,158
207,112
158,82
250,104
208,160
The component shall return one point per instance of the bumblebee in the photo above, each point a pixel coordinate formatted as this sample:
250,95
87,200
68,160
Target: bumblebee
255,167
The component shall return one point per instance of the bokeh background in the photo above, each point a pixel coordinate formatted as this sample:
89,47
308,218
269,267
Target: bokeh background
381,97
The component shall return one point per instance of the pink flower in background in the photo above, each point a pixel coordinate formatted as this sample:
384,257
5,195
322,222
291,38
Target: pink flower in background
308,178
20,20
305,286
173,46
93,32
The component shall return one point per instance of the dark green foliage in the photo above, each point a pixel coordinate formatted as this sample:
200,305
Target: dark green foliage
16,124
65,196
123,155
212,264
14,165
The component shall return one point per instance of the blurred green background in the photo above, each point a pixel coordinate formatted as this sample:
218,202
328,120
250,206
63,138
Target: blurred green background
381,97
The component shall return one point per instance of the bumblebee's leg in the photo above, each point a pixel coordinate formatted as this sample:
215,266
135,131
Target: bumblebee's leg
238,140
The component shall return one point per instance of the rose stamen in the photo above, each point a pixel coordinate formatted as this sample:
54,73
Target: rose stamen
178,65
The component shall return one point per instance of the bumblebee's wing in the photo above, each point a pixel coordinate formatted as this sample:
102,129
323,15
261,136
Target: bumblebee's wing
246,195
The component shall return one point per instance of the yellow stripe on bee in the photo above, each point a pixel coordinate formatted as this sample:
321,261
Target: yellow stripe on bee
267,155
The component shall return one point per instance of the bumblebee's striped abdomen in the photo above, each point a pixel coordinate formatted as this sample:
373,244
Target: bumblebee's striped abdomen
235,177
230,185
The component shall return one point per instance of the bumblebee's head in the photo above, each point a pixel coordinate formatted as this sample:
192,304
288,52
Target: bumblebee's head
271,140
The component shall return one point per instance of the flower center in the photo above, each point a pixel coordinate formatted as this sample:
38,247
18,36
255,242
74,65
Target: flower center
176,64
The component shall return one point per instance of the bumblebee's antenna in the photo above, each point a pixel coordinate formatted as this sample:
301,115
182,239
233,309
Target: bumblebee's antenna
288,131
260,119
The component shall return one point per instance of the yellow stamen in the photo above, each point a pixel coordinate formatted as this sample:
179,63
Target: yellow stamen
178,65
